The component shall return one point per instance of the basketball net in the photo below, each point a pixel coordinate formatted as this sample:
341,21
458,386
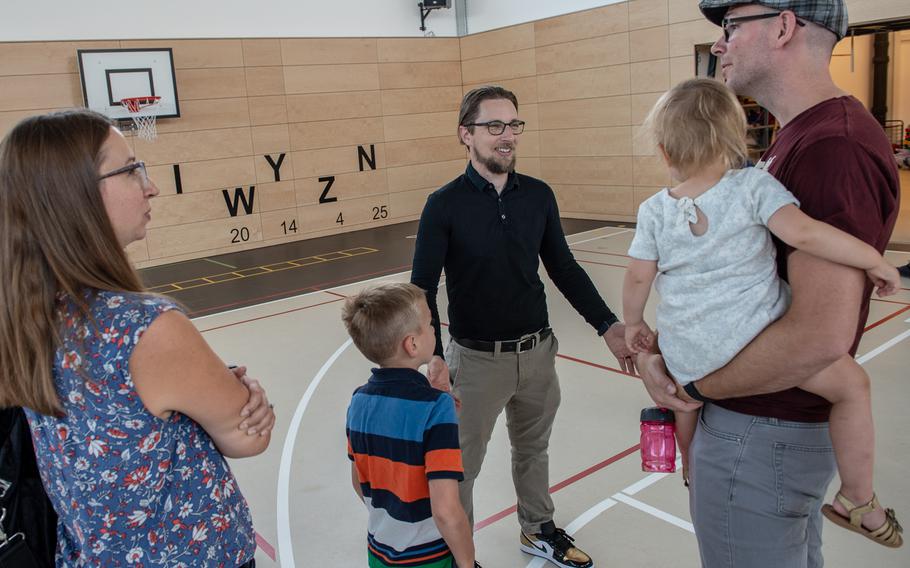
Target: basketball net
144,123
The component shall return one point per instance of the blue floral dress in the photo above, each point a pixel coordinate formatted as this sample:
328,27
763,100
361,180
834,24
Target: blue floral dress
130,488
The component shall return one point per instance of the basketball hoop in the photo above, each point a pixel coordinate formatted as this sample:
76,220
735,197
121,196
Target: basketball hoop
144,123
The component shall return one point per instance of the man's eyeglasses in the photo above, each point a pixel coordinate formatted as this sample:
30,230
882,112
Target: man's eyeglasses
497,127
729,24
137,167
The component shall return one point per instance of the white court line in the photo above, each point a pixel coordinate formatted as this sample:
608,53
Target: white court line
285,545
654,511
624,231
220,263
884,347
647,481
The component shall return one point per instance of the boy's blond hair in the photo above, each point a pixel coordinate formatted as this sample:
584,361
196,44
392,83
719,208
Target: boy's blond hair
696,122
379,317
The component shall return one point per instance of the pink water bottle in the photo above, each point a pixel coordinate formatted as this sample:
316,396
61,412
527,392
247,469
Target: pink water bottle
658,440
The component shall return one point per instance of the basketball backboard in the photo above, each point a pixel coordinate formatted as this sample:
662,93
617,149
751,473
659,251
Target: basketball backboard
110,75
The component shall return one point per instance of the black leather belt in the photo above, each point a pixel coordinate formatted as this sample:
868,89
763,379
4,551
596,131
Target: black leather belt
525,343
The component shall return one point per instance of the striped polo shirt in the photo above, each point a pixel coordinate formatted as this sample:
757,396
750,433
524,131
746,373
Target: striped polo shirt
402,433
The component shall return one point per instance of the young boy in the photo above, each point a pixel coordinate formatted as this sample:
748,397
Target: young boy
403,436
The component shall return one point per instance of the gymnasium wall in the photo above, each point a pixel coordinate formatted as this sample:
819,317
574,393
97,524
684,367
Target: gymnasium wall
287,139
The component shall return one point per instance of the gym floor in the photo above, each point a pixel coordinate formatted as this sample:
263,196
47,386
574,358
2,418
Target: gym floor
277,310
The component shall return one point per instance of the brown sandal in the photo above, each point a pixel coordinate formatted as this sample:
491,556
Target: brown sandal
889,534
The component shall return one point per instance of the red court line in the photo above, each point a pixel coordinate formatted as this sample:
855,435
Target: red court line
335,294
604,367
270,315
890,301
600,252
886,318
561,485
265,547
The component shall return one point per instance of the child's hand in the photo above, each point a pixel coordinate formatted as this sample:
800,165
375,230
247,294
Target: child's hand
886,278
639,337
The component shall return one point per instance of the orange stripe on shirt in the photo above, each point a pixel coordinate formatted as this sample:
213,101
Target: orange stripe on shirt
407,482
409,560
443,460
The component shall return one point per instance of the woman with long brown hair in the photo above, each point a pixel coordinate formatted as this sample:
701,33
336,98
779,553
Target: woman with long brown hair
110,376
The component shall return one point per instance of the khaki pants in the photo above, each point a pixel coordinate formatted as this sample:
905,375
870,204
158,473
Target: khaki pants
526,386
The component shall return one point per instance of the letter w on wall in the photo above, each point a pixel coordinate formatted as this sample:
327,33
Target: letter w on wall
240,198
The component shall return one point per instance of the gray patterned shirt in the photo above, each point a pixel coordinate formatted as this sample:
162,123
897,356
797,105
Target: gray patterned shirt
721,289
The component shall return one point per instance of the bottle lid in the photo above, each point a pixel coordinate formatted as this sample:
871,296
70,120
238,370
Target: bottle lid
657,414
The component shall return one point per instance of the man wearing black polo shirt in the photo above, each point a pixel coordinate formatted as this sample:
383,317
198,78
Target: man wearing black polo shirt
488,229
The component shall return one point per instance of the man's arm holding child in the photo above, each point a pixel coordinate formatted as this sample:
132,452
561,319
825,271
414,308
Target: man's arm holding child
804,233
452,521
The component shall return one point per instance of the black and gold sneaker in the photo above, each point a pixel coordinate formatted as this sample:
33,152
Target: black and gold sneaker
556,546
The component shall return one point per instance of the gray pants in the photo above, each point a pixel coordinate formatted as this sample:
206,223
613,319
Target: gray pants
526,386
757,486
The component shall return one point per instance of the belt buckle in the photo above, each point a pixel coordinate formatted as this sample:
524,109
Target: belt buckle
531,342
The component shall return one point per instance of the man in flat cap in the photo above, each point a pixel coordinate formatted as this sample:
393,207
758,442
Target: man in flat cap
761,459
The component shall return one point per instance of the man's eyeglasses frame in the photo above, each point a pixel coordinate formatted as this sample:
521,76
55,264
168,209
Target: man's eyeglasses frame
742,19
497,127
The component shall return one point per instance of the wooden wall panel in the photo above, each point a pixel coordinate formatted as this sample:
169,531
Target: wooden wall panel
596,198
582,113
331,78
609,141
276,196
268,110
580,25
410,152
333,106
410,75
418,49
261,81
412,126
649,43
332,133
685,35
43,58
587,83
588,171
683,11
650,76
426,99
505,40
24,92
309,51
526,90
261,52
197,145
425,175
511,65
208,114
600,51
272,125
648,13
211,83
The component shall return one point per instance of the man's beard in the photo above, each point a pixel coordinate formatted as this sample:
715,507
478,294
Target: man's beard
497,167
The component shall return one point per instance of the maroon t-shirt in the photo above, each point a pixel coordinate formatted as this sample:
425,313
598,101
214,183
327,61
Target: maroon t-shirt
835,158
